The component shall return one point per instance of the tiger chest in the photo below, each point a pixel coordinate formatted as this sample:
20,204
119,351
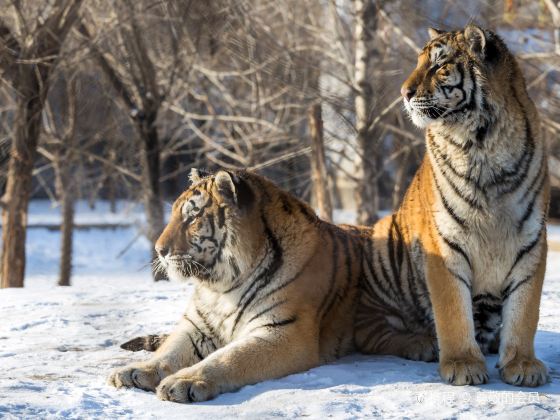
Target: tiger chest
219,313
491,242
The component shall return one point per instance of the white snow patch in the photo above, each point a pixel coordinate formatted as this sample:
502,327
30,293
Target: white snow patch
57,346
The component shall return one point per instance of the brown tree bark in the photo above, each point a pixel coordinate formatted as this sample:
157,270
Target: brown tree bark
66,232
18,186
319,163
367,194
400,180
151,191
28,63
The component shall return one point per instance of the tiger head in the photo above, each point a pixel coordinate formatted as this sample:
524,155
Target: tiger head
206,223
454,75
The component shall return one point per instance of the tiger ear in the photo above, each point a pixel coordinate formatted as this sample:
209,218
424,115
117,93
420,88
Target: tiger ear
197,175
225,186
194,176
434,33
476,39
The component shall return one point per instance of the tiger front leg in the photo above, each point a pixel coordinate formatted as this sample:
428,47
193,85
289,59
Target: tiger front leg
518,364
185,346
461,361
271,353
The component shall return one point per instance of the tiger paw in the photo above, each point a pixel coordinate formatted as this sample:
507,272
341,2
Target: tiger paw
137,375
185,390
422,348
466,371
524,372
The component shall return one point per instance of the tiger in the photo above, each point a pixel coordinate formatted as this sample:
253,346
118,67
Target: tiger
456,272
275,290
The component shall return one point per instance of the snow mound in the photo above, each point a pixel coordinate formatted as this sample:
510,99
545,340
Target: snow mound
57,346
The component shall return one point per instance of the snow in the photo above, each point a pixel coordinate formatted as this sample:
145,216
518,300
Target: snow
45,213
57,346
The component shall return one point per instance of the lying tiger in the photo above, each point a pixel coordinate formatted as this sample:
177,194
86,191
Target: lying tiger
275,289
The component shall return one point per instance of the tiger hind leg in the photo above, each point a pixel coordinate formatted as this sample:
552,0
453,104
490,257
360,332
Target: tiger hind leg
487,314
383,338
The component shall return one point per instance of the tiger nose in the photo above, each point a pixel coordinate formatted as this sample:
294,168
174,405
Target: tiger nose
407,93
162,251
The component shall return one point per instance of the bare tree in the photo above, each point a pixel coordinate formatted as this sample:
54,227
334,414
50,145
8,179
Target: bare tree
142,86
61,149
29,51
365,25
319,163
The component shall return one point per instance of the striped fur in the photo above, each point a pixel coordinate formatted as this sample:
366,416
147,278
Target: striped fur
275,290
457,271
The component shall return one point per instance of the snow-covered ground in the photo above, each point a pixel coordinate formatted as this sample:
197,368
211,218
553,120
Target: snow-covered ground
45,213
57,346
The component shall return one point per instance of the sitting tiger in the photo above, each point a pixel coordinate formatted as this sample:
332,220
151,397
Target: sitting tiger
463,258
275,289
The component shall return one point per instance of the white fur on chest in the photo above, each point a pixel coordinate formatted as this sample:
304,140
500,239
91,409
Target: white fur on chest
492,228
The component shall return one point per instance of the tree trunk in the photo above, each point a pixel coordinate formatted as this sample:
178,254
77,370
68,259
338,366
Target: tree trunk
318,163
400,180
66,233
367,199
18,187
65,194
150,183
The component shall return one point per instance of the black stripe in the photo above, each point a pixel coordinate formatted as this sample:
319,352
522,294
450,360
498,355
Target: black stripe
519,169
472,202
460,221
218,255
286,283
481,133
455,247
309,215
388,280
460,278
463,147
281,323
526,249
378,290
207,324
196,349
508,291
529,189
442,157
248,289
203,335
471,104
391,252
267,310
285,202
342,292
530,206
267,274
334,271
411,281
221,217
234,267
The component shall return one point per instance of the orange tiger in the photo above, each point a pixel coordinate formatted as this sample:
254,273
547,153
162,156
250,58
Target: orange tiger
458,270
275,290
